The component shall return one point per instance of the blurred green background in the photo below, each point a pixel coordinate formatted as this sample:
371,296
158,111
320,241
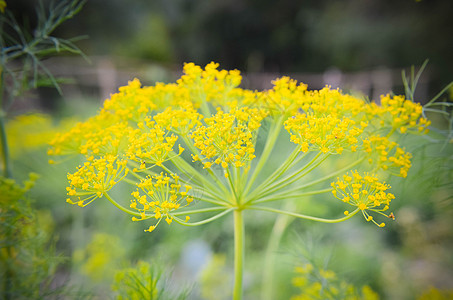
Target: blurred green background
368,42
359,46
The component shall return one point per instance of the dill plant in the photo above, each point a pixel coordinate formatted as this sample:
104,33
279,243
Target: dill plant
199,149
27,257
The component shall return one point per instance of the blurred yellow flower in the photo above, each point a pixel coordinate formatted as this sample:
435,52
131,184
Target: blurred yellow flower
2,5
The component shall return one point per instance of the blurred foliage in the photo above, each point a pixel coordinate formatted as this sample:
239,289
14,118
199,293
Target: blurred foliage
136,283
100,258
23,48
145,281
285,36
435,294
216,280
30,132
27,254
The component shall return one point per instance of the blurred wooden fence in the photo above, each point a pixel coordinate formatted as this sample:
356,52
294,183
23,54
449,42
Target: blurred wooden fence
103,75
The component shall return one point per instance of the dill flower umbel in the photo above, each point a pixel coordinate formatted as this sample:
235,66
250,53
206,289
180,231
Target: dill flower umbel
95,178
228,138
387,155
326,133
400,114
165,197
364,192
146,131
204,147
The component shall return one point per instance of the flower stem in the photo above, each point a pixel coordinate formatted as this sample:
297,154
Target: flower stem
215,217
194,150
268,147
300,216
291,195
274,176
282,183
238,254
198,211
189,170
120,206
275,185
347,168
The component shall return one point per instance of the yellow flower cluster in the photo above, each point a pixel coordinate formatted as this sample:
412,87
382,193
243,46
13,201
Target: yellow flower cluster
388,155
94,178
324,284
85,137
364,192
285,96
150,143
228,138
2,6
206,112
120,114
210,84
328,134
132,102
400,114
332,102
105,141
160,195
180,120
32,131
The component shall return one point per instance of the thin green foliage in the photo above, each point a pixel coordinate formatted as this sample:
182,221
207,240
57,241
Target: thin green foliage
440,107
23,49
144,281
27,247
443,107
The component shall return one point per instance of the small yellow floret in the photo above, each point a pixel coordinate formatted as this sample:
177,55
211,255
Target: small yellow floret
151,228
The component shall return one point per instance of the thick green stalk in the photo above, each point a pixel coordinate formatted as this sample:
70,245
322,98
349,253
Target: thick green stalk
238,254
